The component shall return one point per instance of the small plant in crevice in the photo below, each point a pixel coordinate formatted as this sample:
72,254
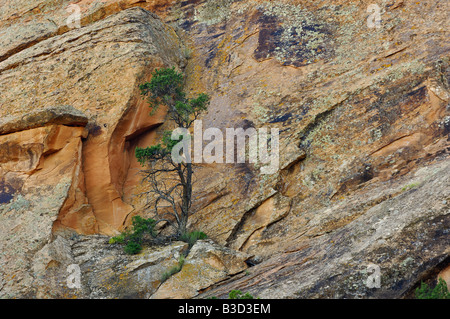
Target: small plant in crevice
440,291
187,53
175,269
133,239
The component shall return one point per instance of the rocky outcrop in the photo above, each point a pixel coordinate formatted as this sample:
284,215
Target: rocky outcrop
404,238
95,69
107,272
34,199
360,111
355,106
62,169
364,119
206,264
24,24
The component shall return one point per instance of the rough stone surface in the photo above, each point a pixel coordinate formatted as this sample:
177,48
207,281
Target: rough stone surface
53,175
206,264
62,115
361,103
405,236
107,272
96,69
33,198
364,123
89,267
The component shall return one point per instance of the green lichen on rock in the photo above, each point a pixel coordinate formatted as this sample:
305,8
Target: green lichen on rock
214,11
295,36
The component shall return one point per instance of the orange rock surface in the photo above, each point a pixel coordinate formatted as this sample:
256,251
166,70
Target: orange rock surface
363,113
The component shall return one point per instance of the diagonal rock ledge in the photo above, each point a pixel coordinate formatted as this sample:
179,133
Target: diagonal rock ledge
60,115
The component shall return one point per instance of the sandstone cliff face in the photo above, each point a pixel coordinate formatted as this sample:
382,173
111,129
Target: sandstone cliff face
96,70
364,121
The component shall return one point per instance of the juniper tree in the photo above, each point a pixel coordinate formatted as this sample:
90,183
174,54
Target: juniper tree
167,171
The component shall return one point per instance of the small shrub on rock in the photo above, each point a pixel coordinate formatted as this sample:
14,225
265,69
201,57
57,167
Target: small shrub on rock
192,237
141,227
440,291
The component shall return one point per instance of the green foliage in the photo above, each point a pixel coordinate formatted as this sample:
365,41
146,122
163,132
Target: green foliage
168,142
410,186
144,154
133,239
237,294
188,107
440,291
165,86
192,237
172,271
142,226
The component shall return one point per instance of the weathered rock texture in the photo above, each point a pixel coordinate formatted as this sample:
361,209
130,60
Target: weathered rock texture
206,264
364,118
41,184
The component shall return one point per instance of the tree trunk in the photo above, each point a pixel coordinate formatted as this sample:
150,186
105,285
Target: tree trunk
186,200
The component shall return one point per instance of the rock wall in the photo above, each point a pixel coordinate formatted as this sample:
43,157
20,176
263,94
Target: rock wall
363,113
50,154
96,69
